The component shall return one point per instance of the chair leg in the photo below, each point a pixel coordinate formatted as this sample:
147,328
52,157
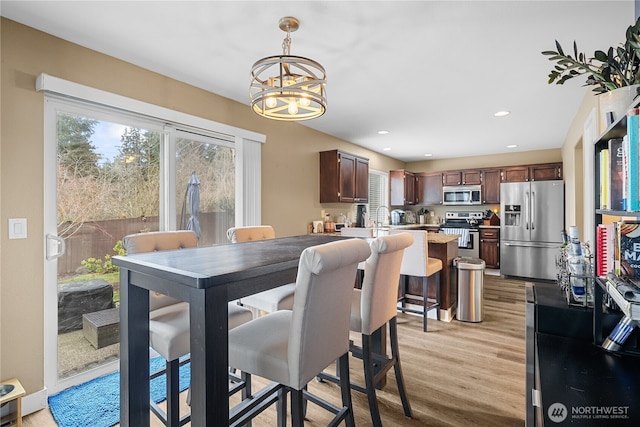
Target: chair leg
424,304
297,408
395,354
438,295
281,408
246,391
369,379
345,389
173,393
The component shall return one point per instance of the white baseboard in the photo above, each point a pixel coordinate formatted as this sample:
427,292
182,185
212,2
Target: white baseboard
34,402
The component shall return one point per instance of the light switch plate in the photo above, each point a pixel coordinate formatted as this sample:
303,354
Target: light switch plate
17,228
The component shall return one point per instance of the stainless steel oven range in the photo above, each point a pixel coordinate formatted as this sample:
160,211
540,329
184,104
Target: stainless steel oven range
467,225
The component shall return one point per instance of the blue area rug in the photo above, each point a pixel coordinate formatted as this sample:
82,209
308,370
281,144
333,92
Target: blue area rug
97,403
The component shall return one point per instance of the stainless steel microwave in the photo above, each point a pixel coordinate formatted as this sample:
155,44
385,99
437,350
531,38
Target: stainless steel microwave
462,195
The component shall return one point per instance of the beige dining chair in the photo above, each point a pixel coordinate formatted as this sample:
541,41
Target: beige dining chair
169,331
417,263
280,298
373,307
291,347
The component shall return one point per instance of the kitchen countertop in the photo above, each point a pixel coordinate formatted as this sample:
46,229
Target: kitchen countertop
431,237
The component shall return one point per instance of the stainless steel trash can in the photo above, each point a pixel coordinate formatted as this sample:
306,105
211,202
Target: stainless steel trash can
470,289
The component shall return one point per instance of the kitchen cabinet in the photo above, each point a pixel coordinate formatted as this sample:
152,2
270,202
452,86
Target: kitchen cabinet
515,174
344,177
462,177
429,188
402,188
490,247
452,178
540,172
545,172
491,186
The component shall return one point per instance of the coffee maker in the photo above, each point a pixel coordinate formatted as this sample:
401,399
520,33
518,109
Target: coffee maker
360,215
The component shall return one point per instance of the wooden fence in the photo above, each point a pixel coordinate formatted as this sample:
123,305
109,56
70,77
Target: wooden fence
97,239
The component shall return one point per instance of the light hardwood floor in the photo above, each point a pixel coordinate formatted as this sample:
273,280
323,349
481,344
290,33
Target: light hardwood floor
457,374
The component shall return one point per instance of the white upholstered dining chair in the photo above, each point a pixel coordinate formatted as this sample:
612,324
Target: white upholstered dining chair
169,331
291,347
280,298
373,307
417,263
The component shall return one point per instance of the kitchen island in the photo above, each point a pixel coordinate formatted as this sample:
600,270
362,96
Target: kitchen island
445,248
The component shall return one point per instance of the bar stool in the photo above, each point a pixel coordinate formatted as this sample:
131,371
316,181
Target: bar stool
169,330
280,298
291,347
416,262
373,307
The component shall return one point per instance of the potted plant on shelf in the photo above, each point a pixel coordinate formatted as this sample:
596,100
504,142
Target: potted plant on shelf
614,74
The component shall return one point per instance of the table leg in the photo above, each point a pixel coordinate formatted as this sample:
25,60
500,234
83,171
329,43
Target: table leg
134,353
209,357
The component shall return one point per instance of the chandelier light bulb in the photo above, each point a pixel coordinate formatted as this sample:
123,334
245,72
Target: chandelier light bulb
293,108
271,102
304,101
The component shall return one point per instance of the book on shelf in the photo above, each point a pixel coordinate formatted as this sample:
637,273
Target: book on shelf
604,178
614,174
632,156
627,253
605,248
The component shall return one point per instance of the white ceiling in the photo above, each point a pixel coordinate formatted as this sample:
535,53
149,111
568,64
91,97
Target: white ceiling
431,72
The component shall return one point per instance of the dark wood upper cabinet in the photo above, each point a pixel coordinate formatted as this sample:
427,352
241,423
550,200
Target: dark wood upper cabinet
402,188
429,188
472,177
545,172
344,177
491,186
515,174
452,178
540,172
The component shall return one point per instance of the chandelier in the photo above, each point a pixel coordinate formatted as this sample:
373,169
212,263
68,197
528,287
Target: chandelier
287,87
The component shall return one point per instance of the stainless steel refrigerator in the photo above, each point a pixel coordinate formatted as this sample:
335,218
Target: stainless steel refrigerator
531,229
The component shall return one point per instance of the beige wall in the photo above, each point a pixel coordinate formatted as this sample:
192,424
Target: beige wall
494,160
572,154
290,169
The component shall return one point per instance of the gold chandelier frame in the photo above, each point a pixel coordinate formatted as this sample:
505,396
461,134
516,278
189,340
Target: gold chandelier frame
287,87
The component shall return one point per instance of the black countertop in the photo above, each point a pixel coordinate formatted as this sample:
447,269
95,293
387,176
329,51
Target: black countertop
579,382
587,385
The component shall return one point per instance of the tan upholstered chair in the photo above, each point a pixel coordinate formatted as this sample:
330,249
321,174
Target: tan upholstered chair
291,347
169,332
280,298
373,307
250,233
416,262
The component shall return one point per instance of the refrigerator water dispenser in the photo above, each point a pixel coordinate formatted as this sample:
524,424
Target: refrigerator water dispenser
512,215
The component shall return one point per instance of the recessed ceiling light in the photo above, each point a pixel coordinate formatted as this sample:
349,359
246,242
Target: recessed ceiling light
386,149
512,146
502,113
383,132
428,155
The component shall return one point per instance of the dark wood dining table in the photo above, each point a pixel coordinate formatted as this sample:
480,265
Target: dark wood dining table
207,278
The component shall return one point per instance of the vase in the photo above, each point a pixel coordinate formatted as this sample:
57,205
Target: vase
614,104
